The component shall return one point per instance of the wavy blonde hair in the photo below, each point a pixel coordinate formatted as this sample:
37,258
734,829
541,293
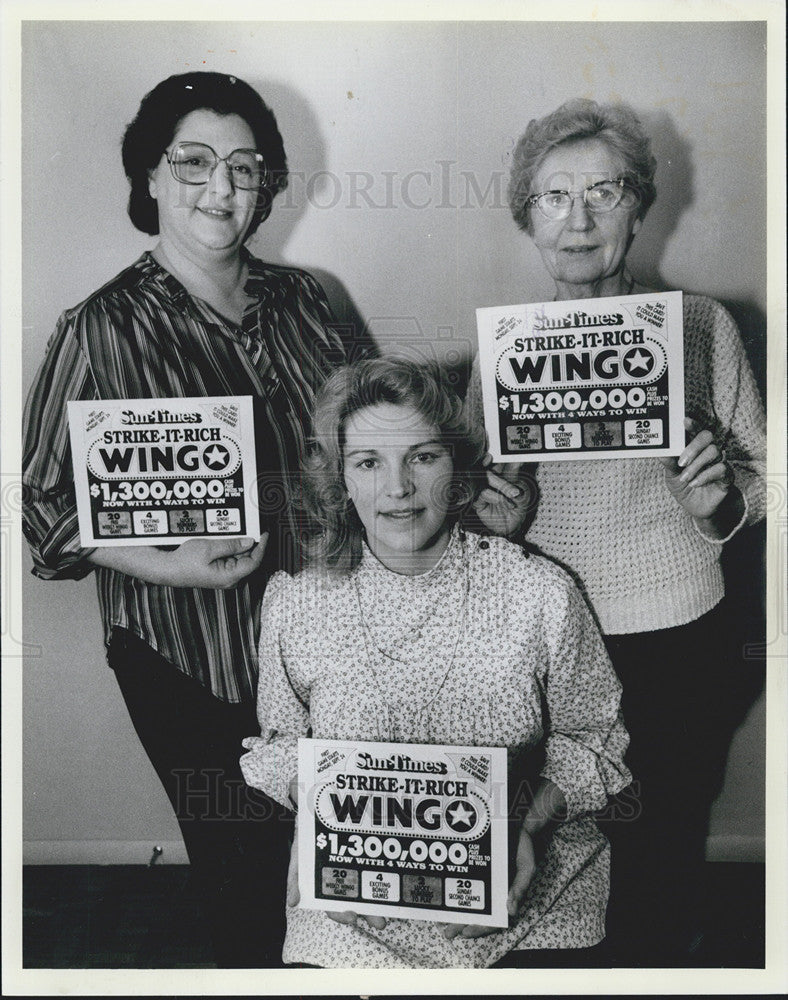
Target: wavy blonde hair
336,531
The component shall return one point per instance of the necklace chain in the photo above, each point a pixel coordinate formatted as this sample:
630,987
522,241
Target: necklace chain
369,640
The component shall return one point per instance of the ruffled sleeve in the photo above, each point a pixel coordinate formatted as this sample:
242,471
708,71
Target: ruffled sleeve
282,700
586,738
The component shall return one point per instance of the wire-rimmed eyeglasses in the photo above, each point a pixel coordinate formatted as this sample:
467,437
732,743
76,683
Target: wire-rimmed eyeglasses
195,162
598,198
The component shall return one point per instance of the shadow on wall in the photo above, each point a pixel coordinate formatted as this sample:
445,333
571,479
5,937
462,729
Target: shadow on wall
675,181
356,334
743,557
307,162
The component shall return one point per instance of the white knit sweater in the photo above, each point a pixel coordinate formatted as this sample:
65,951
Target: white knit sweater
641,560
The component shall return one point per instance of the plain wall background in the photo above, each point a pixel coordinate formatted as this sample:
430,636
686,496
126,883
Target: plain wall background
398,137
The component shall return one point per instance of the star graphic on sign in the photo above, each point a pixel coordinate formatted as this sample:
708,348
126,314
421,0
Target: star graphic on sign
216,457
638,359
459,813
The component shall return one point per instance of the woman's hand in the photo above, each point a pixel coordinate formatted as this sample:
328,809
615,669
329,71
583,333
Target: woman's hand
503,504
525,866
293,893
700,480
206,563
349,917
548,806
219,565
343,917
292,793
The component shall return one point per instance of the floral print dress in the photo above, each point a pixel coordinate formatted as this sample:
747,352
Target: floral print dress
491,647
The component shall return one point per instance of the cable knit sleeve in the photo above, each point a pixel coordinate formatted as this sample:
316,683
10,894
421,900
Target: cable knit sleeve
722,395
282,701
586,738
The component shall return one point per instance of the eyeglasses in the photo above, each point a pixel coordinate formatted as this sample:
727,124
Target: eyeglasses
598,198
194,163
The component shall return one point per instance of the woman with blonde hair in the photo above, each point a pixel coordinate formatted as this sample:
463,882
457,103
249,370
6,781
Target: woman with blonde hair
408,628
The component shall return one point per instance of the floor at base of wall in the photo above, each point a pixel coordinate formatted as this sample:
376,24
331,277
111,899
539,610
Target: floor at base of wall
133,917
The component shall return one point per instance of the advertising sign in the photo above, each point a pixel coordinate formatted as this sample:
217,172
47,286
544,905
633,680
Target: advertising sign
159,471
586,378
403,830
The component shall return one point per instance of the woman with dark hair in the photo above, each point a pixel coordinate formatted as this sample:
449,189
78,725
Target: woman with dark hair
643,536
407,628
154,127
197,315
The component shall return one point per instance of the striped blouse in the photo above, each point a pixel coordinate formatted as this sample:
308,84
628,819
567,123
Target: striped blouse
142,336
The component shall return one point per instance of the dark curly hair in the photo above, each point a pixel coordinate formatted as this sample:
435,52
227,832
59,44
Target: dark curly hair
336,543
160,112
615,124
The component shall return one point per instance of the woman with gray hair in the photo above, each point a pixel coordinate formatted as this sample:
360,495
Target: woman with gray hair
643,537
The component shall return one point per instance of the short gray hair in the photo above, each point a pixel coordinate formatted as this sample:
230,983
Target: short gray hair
615,124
